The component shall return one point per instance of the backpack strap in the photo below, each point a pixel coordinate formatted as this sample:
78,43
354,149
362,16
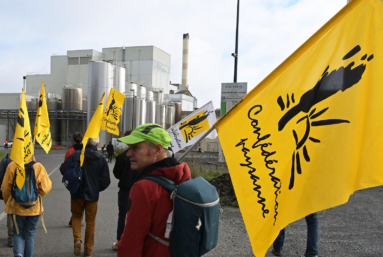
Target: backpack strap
159,239
171,186
165,182
14,212
42,214
78,154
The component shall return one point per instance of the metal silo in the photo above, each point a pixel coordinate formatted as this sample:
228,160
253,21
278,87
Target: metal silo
129,114
160,114
99,82
158,96
71,99
169,116
149,94
150,111
178,111
142,92
32,104
120,86
142,119
120,79
130,89
137,112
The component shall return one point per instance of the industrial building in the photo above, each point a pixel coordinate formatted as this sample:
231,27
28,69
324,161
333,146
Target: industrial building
77,80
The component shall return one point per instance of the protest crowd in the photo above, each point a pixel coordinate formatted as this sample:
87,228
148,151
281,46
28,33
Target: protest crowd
295,145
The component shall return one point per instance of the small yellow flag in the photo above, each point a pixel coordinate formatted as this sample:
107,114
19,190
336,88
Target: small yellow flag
112,112
93,130
42,131
311,133
22,148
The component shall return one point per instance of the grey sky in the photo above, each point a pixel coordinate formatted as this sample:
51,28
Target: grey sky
270,30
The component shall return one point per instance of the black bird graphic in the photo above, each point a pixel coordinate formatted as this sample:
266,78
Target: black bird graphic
330,83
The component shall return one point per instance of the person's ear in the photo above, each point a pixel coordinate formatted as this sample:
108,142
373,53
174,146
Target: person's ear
159,148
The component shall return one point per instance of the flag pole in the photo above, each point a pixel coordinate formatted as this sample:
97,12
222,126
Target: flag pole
196,143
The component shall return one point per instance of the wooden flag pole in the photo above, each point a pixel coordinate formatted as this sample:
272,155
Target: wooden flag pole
196,143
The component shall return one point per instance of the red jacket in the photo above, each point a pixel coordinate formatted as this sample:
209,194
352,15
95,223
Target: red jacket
72,149
150,206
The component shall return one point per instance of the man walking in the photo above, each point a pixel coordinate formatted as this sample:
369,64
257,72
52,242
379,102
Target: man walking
95,178
149,203
126,176
77,145
312,238
110,151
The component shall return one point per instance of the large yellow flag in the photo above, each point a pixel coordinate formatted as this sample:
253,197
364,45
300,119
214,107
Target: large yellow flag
93,130
22,148
311,133
42,130
112,112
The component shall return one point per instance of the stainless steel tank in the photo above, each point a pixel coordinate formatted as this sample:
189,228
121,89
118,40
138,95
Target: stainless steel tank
32,104
150,112
158,96
129,114
160,114
121,79
142,92
169,116
130,89
71,99
142,111
137,112
149,94
178,111
84,104
99,82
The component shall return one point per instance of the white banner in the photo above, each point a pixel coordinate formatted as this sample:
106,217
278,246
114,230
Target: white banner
187,131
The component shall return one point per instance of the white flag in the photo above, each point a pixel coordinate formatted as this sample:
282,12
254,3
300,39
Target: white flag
187,131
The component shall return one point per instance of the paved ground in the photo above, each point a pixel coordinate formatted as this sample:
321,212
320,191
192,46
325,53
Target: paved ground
353,230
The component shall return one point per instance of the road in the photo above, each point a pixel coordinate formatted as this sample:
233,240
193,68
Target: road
354,229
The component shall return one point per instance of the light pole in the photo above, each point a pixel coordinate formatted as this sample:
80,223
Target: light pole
235,54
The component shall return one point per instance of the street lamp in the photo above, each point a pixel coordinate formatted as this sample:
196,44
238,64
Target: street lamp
235,55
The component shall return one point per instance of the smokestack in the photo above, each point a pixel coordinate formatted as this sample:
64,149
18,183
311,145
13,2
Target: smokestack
185,60
25,83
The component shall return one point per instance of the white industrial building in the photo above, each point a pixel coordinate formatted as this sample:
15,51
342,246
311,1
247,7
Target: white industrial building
72,75
144,65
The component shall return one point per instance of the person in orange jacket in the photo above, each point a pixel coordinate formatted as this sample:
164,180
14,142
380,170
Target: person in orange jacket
26,218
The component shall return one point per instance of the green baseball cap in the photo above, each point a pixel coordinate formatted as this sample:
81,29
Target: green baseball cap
150,132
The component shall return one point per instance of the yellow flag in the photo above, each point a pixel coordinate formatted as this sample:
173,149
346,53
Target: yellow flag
42,130
93,130
311,133
22,148
112,112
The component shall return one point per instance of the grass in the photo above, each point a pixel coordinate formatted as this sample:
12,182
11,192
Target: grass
2,154
201,170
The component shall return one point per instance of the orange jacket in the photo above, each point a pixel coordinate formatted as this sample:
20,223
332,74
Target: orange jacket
44,185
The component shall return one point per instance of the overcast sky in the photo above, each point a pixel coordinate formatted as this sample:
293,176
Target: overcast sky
270,30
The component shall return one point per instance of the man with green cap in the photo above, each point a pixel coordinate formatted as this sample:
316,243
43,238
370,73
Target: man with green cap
149,203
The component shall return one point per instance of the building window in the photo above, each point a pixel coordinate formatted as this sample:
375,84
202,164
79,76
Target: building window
73,61
84,60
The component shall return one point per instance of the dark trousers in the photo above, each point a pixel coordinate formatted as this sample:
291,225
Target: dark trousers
123,201
312,235
110,157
